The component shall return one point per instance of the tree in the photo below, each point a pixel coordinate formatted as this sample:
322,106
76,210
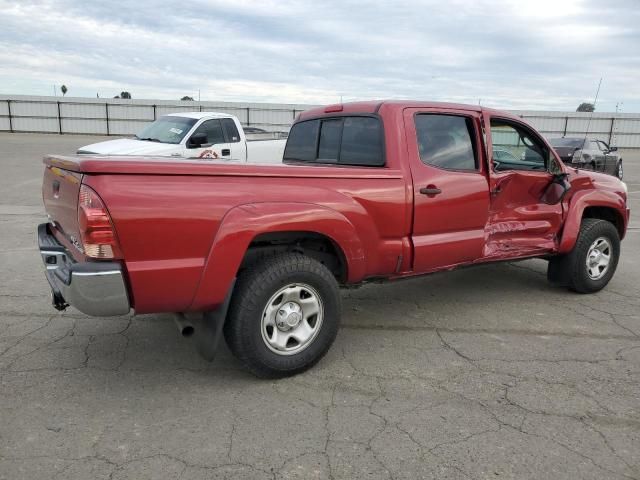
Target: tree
125,95
586,107
63,89
187,98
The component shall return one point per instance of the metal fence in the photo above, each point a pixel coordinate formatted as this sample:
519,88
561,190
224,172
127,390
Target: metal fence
126,117
619,129
61,115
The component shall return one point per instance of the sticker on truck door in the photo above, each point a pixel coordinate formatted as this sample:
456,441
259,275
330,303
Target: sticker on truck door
209,154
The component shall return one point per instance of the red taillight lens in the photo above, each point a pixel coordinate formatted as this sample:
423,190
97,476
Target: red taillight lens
96,230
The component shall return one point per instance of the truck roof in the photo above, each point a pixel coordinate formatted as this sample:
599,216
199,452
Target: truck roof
199,115
374,106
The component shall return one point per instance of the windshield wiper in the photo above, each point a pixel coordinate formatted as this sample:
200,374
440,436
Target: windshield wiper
149,139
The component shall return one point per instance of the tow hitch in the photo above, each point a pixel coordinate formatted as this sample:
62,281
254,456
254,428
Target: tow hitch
58,302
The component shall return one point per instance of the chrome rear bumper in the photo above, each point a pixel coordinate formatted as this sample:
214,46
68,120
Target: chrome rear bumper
95,288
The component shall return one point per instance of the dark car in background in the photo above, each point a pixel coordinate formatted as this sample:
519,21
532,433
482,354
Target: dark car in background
596,155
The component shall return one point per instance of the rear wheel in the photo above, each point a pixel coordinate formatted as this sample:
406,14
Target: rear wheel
284,315
593,260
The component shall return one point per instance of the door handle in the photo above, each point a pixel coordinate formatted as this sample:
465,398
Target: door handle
430,190
226,152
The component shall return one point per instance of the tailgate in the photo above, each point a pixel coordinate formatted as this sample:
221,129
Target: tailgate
60,190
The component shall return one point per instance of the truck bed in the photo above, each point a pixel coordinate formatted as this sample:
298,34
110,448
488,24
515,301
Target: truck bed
171,215
136,165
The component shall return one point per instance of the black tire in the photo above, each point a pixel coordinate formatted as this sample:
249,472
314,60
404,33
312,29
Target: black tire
571,270
619,170
255,288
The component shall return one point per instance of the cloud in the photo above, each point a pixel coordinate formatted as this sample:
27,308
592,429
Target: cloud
547,54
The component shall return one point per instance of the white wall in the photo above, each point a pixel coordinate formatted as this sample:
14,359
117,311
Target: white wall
21,113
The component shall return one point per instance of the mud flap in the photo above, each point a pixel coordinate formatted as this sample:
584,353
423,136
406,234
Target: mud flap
559,270
207,337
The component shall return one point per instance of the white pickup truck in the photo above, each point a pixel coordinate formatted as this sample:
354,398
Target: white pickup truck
206,135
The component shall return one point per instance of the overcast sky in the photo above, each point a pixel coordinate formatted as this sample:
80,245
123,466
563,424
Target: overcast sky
528,54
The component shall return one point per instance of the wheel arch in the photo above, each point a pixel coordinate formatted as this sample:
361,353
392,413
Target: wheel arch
313,244
602,205
273,226
607,213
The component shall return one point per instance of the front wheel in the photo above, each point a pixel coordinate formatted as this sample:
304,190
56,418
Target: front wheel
284,315
619,170
593,260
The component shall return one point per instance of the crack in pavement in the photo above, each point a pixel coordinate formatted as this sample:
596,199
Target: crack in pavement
492,331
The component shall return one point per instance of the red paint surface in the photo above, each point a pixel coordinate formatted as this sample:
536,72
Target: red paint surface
184,225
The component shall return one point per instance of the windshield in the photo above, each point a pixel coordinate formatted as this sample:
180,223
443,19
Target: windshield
566,142
167,129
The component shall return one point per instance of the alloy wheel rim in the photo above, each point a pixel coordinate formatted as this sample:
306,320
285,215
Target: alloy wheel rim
292,319
599,258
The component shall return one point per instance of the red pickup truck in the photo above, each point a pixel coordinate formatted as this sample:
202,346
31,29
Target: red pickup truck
368,191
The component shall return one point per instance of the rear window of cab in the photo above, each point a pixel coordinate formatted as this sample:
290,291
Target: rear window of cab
347,140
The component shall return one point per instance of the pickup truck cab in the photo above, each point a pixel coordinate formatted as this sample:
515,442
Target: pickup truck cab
369,191
204,135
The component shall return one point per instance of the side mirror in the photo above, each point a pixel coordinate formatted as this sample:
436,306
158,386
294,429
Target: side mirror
197,140
554,166
613,149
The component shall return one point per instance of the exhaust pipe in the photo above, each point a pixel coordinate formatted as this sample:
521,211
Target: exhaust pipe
185,327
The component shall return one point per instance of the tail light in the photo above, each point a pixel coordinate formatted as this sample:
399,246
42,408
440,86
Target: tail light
97,234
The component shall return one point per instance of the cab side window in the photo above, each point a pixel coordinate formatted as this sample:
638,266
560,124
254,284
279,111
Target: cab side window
230,130
514,148
213,130
446,141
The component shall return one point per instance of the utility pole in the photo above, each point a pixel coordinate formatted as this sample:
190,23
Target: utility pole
198,94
